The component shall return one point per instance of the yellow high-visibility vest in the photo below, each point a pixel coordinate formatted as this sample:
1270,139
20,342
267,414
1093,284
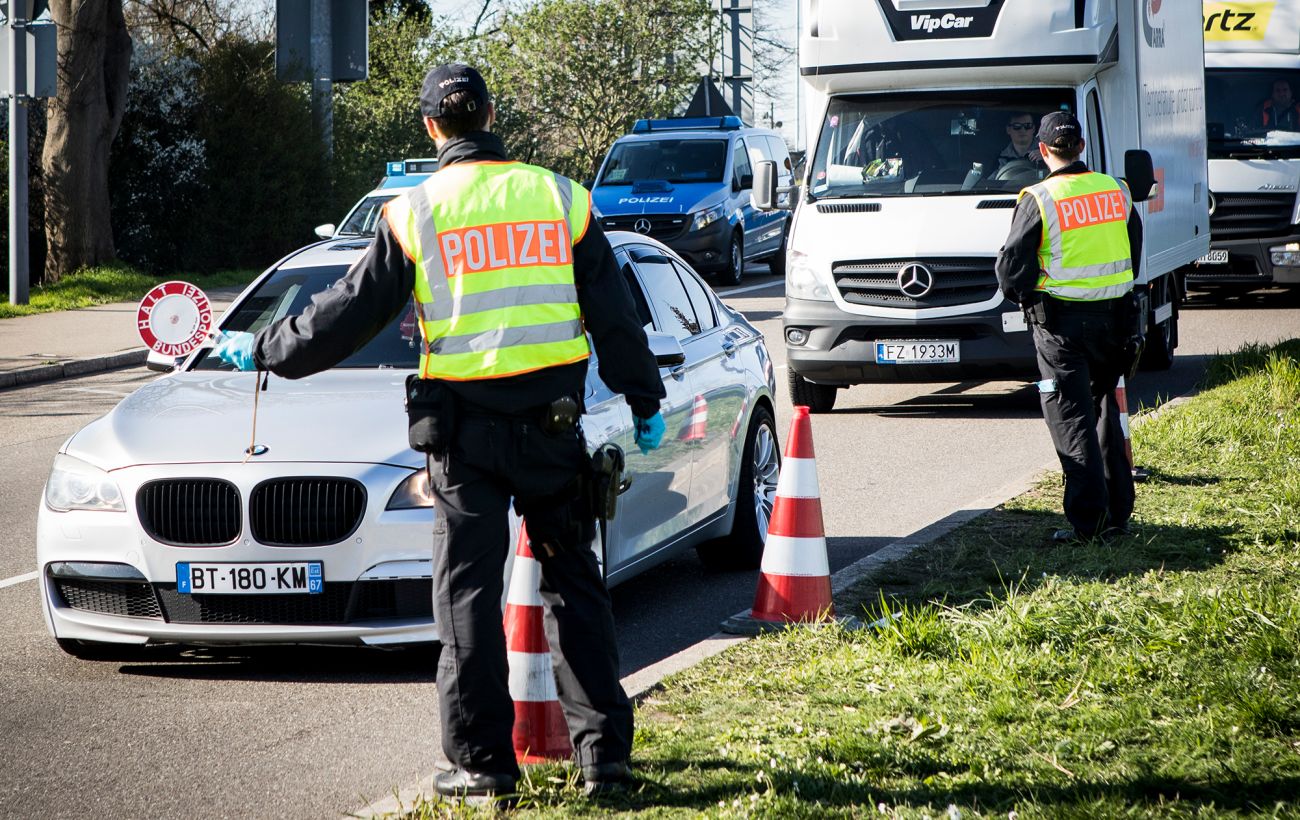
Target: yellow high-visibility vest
492,243
1085,254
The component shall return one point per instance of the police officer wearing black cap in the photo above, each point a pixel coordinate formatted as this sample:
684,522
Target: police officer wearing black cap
510,274
1069,262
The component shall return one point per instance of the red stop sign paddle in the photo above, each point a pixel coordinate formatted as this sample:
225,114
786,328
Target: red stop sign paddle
174,318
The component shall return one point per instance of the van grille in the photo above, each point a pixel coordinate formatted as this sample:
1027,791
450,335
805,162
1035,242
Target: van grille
662,226
190,512
1252,216
305,512
957,281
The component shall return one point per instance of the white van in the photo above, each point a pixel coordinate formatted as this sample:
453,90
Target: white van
1252,120
917,116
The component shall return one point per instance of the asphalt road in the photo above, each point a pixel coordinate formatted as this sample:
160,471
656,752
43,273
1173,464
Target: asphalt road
314,733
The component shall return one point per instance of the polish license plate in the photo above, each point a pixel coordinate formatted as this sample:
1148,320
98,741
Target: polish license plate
1214,258
302,577
927,352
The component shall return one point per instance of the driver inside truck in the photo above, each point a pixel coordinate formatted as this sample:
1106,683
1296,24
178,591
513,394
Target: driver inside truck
1021,126
1280,111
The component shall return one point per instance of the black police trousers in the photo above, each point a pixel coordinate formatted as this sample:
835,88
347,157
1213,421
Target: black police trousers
1081,357
494,459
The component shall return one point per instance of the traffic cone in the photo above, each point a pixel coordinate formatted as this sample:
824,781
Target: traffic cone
1121,398
540,732
698,425
795,584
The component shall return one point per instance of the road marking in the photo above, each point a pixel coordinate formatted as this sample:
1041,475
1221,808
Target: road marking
738,291
18,579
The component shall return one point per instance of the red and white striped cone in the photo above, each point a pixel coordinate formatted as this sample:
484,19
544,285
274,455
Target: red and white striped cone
540,732
1121,399
795,584
697,426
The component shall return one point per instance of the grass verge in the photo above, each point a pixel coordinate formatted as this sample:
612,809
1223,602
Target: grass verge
1156,675
110,283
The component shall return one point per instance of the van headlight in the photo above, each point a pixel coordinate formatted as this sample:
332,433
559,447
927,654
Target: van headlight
801,280
706,217
76,485
413,493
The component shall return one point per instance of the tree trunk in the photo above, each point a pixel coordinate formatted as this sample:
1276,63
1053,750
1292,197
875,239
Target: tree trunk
94,70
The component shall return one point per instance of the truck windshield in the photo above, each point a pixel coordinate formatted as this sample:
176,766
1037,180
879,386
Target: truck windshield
1252,114
932,144
671,160
362,220
288,291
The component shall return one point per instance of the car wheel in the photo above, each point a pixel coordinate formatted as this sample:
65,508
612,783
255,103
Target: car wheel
776,262
100,651
760,467
735,269
818,398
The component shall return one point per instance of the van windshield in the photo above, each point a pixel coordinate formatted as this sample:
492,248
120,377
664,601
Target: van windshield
680,161
1252,114
932,144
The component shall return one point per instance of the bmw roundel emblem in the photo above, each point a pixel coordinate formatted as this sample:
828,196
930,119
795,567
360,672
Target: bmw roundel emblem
915,280
642,225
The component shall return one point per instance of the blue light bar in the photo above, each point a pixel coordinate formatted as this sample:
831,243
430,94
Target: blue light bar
396,168
688,124
421,166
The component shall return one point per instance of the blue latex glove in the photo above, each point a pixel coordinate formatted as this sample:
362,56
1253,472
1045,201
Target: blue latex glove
649,432
235,348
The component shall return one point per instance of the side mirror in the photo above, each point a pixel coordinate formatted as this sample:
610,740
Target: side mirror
666,349
1140,174
744,182
325,231
764,194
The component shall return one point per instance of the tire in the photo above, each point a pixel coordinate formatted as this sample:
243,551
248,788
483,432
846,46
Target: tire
735,269
755,494
1159,351
818,398
776,262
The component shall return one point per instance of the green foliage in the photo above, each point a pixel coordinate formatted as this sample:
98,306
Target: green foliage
110,283
572,75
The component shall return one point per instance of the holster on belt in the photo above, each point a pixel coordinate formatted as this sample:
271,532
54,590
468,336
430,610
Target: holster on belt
430,414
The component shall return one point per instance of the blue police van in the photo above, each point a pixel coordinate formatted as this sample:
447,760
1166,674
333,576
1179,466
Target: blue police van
687,183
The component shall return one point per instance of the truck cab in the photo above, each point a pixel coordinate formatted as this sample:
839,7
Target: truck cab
1252,121
687,183
922,118
399,174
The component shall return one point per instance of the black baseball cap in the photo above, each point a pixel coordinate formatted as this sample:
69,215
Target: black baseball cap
446,80
1060,129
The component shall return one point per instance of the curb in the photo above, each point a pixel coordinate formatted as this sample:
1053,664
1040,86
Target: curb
645,681
73,367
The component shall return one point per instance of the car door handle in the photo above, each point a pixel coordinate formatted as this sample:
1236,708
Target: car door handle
678,372
729,347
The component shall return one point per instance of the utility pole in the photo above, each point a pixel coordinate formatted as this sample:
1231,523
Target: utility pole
19,270
322,74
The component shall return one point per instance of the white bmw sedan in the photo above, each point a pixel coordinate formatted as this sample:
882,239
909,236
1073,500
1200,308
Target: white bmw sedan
171,520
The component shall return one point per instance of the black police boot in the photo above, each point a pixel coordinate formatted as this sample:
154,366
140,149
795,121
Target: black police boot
475,788
607,778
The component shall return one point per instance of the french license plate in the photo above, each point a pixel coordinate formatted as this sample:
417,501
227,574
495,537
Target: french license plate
1214,258
928,352
304,577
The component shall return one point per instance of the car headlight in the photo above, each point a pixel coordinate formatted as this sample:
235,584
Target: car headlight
707,217
596,211
76,485
413,493
801,279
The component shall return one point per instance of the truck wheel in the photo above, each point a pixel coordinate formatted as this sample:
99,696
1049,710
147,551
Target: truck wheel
735,268
755,494
818,398
1159,351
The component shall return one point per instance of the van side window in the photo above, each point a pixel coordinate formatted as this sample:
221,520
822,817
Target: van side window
740,167
758,150
1095,139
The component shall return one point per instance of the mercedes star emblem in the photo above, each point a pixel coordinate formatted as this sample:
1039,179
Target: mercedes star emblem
915,280
642,226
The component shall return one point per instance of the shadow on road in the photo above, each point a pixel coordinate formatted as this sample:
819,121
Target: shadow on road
1241,297
954,403
285,664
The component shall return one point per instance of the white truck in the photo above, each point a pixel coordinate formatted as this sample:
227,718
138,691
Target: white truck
920,122
1252,119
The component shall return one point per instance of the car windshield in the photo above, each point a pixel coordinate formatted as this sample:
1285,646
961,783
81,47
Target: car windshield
932,144
361,222
288,291
1252,114
670,160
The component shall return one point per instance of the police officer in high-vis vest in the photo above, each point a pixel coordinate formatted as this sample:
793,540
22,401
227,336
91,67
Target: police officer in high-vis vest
1069,262
510,274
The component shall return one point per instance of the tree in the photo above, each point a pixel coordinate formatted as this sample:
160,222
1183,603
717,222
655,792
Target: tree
94,70
570,76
